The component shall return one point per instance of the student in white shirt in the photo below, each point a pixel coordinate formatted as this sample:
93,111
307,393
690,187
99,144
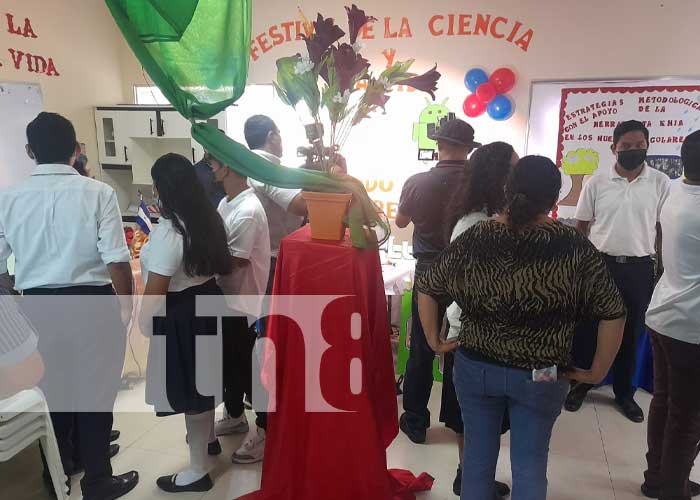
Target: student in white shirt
66,234
183,254
285,208
674,320
480,197
620,209
249,246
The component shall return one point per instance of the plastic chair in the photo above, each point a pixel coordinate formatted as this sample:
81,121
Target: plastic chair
24,419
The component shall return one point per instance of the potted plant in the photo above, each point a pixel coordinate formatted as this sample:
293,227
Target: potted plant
337,86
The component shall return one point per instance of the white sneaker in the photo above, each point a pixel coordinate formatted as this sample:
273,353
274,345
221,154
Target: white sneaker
252,450
229,425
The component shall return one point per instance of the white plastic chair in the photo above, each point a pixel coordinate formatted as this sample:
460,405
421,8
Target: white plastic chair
24,418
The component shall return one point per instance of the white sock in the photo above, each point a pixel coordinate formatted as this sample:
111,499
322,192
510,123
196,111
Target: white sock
198,434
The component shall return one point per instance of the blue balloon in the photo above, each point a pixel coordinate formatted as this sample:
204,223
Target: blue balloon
474,78
501,108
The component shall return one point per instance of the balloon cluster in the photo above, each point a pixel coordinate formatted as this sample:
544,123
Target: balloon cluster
488,93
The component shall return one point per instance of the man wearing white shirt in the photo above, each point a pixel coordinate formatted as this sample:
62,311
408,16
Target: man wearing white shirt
249,245
674,320
620,211
66,233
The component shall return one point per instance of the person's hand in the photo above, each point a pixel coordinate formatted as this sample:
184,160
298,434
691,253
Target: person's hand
443,346
584,376
153,209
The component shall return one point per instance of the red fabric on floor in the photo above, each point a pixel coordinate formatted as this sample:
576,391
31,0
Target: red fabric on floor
340,455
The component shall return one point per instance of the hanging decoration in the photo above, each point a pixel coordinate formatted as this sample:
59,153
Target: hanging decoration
488,93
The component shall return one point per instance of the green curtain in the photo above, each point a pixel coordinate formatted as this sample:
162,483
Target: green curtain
197,52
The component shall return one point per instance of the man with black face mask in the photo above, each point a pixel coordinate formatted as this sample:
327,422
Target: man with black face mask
620,211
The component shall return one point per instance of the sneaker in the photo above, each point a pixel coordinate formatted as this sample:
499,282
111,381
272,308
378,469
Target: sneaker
230,425
252,450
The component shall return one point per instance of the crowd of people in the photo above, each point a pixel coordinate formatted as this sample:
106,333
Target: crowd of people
536,313
539,312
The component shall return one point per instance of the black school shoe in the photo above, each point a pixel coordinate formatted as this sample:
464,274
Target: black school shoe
213,448
414,434
113,488
654,492
167,484
114,435
631,410
502,490
575,398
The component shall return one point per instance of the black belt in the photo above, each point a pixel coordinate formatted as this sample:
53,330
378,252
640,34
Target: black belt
72,290
621,259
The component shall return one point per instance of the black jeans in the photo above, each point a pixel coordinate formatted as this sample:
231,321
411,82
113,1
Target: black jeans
636,284
95,343
418,381
238,362
674,417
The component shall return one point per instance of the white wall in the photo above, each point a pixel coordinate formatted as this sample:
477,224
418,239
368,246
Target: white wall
83,42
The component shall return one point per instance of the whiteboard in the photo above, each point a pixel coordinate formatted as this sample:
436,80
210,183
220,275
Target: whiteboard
19,105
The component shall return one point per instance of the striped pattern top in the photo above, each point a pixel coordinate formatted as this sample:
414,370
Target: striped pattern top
522,293
17,337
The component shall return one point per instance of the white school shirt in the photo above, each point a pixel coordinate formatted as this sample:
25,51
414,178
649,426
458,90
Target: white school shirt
248,238
675,307
276,202
454,312
624,214
164,254
64,229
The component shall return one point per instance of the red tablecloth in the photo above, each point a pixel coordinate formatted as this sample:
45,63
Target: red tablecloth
332,455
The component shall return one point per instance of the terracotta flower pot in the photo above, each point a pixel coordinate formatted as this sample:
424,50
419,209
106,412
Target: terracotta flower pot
326,213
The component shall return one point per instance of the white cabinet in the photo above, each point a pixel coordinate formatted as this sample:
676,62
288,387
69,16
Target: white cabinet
134,137
174,126
111,137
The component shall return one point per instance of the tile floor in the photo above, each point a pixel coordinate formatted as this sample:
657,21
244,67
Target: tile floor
595,454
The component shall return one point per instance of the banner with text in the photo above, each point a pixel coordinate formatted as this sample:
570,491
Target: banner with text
589,115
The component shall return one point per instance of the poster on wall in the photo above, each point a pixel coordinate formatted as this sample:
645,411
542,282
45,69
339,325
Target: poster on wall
588,117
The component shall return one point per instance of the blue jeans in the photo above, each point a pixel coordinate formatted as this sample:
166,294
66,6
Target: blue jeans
485,391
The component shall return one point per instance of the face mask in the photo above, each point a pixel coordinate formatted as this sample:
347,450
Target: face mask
631,159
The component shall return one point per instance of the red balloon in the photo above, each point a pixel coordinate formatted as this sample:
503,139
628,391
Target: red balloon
473,106
486,92
503,79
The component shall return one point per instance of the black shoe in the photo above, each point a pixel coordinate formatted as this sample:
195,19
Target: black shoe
78,468
167,484
457,484
653,492
114,487
575,399
415,435
114,435
214,448
631,410
502,489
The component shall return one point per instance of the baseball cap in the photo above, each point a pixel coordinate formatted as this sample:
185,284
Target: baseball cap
457,132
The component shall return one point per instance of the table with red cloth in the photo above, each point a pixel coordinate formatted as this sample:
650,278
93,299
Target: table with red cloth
339,455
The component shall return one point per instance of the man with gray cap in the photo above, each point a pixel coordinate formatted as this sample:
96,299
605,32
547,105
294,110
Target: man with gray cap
424,201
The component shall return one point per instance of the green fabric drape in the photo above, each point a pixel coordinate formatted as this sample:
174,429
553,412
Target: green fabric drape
197,52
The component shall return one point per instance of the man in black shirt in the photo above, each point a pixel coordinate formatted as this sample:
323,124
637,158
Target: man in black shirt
424,201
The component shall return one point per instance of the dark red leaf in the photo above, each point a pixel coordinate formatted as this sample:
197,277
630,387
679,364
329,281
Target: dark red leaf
427,82
356,20
326,33
349,66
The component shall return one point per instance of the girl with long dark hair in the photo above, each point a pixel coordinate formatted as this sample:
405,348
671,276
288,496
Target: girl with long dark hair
523,282
480,197
184,253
